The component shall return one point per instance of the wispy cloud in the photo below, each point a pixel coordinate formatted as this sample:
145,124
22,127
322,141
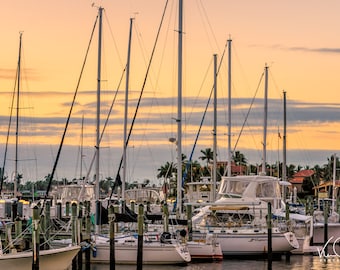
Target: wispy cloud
27,73
327,50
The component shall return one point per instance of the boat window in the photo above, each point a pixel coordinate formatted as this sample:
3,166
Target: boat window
266,190
237,187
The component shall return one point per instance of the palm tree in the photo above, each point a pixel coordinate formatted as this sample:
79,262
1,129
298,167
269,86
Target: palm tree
239,158
166,170
208,156
193,174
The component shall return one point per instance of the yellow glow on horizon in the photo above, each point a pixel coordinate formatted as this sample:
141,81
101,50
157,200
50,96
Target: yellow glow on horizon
301,49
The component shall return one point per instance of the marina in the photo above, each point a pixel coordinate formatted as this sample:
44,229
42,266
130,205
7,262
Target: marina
223,212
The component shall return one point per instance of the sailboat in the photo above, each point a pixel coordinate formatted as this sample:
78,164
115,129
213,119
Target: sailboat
238,217
54,259
326,218
126,246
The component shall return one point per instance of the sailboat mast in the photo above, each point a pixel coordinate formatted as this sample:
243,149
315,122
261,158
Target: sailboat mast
284,162
16,175
98,102
284,170
179,105
214,173
265,120
333,188
126,110
82,151
229,108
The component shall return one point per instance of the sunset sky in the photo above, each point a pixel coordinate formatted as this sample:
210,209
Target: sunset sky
298,40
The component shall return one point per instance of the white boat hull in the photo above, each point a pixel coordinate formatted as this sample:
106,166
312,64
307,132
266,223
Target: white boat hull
255,243
153,253
126,248
204,251
333,232
53,259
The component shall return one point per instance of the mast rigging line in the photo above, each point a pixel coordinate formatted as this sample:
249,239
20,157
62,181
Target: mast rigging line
203,118
50,177
2,170
105,123
248,112
117,180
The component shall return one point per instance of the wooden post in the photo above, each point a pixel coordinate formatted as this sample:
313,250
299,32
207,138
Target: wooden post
42,228
59,210
74,223
87,235
67,209
18,226
74,231
80,235
269,224
99,214
325,232
140,237
35,238
14,210
166,217
48,217
133,206
18,231
47,220
189,217
112,238
116,210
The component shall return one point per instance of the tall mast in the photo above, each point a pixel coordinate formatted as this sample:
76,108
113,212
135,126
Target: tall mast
179,107
126,109
214,173
16,175
333,188
229,108
284,162
98,106
265,120
82,151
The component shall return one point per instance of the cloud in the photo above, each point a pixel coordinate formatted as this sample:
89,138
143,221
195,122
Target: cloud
155,124
300,48
319,50
27,73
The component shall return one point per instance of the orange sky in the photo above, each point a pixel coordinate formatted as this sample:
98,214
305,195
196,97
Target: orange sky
299,40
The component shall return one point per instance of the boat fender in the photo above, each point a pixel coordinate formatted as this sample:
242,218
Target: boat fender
94,252
85,246
165,237
183,233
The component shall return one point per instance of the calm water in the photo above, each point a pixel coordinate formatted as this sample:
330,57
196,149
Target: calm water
296,263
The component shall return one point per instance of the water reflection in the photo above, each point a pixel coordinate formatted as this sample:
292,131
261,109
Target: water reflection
295,263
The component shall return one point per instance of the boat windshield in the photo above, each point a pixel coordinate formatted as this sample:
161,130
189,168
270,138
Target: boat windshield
268,190
233,187
143,195
77,192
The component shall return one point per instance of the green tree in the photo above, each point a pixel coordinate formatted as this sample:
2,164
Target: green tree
208,156
239,158
193,173
166,170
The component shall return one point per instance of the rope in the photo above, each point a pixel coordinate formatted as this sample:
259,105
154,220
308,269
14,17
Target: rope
118,182
50,177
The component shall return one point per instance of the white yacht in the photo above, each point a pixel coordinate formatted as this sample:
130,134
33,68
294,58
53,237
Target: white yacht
239,217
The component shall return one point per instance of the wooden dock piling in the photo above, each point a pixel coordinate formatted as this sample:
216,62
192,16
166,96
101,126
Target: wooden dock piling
140,237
